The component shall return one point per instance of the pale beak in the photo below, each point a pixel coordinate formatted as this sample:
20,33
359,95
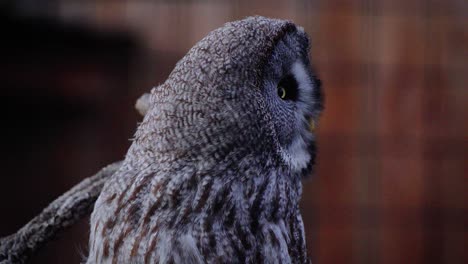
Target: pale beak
312,125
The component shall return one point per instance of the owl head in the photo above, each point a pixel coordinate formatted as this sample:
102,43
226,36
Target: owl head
244,94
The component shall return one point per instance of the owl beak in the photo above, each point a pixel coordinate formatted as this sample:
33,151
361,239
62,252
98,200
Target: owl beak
312,125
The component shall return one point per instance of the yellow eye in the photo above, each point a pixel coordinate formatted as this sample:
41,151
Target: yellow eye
281,92
288,88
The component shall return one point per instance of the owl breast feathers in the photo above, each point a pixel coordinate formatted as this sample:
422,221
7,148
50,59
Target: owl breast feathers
214,172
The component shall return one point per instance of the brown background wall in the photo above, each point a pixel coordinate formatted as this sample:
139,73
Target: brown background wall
391,184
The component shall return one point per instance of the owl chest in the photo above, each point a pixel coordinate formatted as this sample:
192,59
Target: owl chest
271,244
210,223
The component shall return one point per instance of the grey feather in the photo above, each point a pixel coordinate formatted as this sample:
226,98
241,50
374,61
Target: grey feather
214,172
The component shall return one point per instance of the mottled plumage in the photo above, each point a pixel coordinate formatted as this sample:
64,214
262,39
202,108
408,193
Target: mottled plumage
214,172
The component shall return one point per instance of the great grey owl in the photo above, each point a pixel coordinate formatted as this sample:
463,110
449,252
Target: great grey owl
214,171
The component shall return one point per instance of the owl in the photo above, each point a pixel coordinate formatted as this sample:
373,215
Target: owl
214,171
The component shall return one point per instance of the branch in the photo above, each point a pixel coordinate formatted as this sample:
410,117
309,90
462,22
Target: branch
60,214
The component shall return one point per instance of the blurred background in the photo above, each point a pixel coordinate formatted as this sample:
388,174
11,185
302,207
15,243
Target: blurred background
391,182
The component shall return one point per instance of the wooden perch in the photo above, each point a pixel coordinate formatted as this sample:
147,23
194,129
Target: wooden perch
64,212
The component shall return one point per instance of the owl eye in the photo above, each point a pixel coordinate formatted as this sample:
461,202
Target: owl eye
281,92
287,88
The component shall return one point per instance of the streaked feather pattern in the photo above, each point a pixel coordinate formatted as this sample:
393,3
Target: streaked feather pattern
210,176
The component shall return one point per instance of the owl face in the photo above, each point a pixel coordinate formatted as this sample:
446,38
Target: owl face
293,96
